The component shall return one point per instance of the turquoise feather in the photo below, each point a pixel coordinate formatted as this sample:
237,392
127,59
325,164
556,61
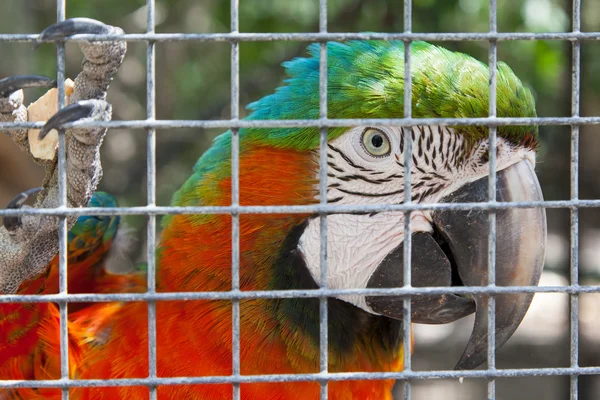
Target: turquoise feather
89,231
366,80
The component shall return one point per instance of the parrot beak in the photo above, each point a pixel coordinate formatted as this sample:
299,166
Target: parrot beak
456,254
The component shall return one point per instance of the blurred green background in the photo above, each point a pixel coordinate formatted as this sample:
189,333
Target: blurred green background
193,82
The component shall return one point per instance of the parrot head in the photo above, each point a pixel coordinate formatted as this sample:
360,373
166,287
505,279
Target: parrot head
450,164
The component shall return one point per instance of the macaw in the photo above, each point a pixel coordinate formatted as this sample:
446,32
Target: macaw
278,252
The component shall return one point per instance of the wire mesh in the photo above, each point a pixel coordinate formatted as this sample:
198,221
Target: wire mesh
151,210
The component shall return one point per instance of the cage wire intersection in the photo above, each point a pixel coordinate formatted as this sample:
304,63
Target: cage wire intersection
151,210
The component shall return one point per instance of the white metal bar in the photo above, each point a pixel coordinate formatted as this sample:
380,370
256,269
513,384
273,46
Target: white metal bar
491,311
235,199
278,378
407,242
311,209
316,123
296,293
317,36
574,233
151,192
62,201
323,134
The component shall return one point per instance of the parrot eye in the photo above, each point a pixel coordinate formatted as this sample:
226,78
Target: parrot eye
375,142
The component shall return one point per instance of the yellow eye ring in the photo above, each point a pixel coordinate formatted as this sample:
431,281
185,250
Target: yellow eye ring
376,142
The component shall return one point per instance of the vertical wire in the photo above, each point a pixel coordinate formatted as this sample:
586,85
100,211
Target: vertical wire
62,203
151,194
407,259
323,315
491,354
235,200
575,92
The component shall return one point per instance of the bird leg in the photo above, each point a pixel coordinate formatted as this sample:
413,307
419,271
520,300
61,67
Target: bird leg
28,243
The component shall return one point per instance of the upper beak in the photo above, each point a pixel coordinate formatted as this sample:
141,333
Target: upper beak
457,254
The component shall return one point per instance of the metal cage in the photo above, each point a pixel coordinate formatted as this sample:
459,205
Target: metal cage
151,210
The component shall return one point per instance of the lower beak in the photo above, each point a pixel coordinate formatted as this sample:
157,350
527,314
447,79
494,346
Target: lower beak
457,254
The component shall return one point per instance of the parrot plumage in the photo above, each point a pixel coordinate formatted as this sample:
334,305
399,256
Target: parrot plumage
280,166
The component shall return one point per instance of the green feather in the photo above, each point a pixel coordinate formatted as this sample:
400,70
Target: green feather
366,80
89,230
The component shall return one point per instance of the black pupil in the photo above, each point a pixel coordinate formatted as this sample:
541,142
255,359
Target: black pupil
377,141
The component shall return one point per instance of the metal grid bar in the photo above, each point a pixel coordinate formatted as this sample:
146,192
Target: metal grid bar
315,36
235,201
491,311
574,267
323,134
151,193
62,201
314,123
407,242
151,210
286,294
312,209
273,378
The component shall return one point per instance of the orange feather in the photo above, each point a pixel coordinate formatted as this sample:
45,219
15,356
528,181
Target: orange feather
194,337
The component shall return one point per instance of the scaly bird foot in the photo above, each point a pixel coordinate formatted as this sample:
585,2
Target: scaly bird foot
28,243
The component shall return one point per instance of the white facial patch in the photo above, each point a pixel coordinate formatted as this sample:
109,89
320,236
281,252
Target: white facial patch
356,245
366,166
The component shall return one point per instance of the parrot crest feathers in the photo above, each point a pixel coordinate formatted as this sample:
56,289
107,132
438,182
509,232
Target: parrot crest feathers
366,80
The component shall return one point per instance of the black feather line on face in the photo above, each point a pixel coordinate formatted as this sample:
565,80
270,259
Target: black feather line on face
429,138
415,161
348,160
400,191
356,177
420,143
335,167
393,176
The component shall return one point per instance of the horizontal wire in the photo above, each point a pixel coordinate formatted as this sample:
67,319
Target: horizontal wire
310,36
312,123
273,378
296,293
307,209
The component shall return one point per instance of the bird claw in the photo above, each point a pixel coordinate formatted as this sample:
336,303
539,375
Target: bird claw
74,26
12,223
13,83
11,103
84,109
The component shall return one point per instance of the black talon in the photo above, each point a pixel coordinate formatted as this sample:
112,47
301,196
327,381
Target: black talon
12,223
72,112
73,26
13,83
